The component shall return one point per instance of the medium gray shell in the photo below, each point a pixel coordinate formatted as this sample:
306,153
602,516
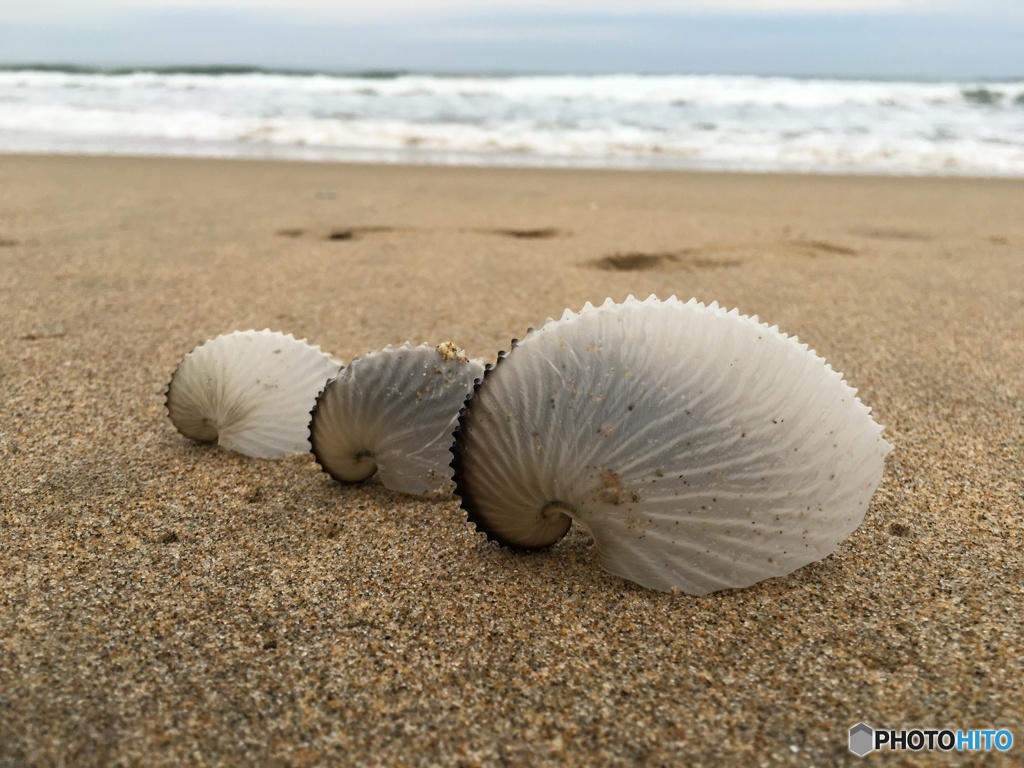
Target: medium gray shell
250,391
700,448
394,411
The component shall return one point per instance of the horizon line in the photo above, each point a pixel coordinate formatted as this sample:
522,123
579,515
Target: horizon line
387,73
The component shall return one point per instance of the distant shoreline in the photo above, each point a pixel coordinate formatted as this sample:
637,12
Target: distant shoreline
391,74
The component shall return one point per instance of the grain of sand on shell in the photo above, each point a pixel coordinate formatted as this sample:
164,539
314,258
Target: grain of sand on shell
169,603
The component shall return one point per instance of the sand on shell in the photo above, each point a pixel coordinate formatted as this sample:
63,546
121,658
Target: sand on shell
168,603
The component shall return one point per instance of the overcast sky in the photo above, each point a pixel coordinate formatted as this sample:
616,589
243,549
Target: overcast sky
886,38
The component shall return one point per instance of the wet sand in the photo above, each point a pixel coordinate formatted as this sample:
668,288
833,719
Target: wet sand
169,603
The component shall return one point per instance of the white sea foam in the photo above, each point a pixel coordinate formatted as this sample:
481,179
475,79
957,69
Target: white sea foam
707,122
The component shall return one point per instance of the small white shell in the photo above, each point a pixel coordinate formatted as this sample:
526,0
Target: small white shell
394,411
700,448
250,391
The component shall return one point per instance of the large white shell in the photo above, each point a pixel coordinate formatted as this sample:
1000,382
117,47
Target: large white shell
701,449
251,391
394,411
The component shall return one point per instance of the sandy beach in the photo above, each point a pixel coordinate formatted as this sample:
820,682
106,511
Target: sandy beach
167,603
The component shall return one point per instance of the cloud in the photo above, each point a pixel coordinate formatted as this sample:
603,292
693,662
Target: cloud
54,11
876,45
984,41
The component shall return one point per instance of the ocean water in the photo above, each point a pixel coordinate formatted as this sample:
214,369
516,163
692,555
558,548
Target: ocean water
705,122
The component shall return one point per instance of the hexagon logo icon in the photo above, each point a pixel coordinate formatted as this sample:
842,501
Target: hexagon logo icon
862,737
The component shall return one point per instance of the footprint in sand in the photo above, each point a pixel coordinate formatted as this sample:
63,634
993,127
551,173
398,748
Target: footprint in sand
715,256
888,233
635,262
544,233
356,233
342,234
814,247
336,235
687,259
